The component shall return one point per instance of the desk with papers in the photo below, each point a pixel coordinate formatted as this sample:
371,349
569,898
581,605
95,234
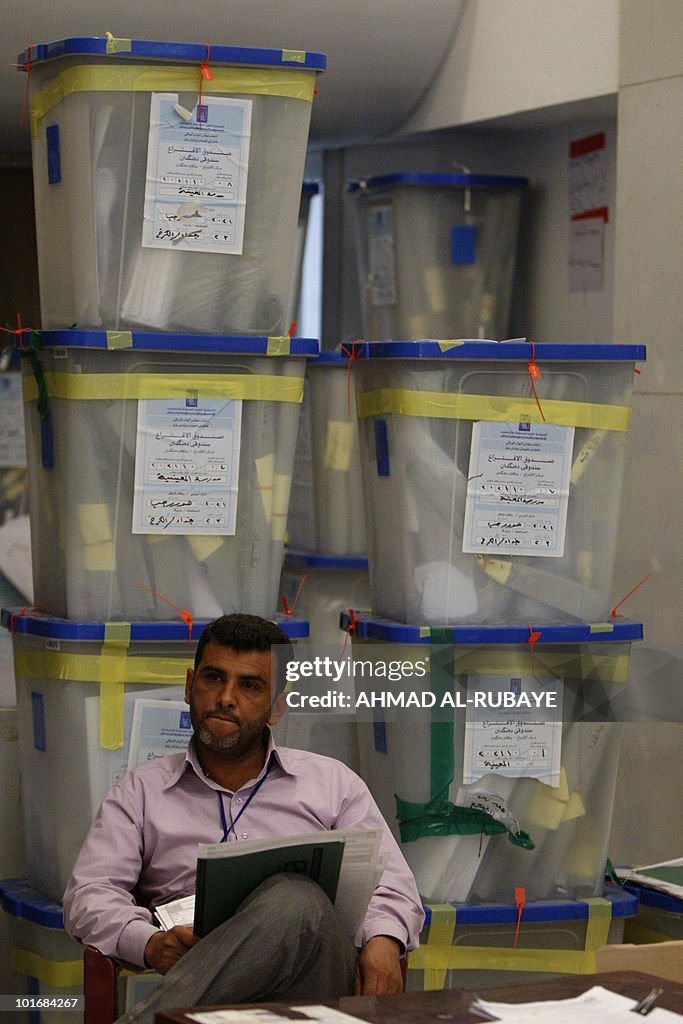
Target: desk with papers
598,996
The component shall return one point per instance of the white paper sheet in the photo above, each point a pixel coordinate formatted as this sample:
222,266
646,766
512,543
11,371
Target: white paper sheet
596,1006
187,465
518,489
196,184
524,742
160,727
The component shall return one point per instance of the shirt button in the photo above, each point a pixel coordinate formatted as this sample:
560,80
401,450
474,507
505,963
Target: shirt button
238,799
244,835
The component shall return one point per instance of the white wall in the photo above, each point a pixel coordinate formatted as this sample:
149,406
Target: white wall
517,55
648,307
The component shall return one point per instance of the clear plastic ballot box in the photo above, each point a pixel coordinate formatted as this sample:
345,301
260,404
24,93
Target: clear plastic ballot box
486,786
168,182
490,945
492,477
436,254
159,471
94,699
44,962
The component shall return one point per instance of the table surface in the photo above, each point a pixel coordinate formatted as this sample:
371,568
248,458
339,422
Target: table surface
452,1005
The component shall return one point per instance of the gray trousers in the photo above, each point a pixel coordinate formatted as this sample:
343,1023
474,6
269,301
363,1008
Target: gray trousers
284,943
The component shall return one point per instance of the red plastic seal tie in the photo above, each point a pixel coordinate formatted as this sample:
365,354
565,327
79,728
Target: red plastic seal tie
19,333
23,611
351,628
351,355
292,328
534,635
184,614
205,75
520,900
534,374
645,578
26,66
285,605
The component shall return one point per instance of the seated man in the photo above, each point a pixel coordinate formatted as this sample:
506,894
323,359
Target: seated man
233,783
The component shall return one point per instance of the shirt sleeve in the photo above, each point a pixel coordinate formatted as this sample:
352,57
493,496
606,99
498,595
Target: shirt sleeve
395,908
99,906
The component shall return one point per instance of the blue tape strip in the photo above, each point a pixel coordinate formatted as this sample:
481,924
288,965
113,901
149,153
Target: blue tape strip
54,159
382,448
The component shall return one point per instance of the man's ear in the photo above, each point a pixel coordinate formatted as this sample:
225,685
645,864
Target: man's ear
189,676
278,709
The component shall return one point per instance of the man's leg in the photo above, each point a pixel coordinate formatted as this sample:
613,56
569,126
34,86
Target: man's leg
285,942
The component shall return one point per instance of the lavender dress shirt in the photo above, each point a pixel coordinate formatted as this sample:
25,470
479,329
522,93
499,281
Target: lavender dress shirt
146,832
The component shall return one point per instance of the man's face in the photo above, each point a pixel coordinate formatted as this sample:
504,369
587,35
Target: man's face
229,695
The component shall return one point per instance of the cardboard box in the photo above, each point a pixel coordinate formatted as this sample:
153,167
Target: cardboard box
664,959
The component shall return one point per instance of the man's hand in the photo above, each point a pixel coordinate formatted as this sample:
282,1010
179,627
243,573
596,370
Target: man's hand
378,968
165,948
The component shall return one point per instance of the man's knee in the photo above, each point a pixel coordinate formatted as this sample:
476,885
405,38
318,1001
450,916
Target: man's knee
296,902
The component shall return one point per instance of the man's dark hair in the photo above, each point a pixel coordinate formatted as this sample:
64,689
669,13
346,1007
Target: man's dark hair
244,632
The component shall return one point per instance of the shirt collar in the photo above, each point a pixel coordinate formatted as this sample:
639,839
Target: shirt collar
280,756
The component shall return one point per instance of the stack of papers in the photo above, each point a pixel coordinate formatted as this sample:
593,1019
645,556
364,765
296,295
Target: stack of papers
596,1006
362,866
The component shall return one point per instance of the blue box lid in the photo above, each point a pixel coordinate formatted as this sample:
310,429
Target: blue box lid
368,627
624,904
310,188
296,559
51,627
152,49
444,180
517,349
20,900
147,341
655,897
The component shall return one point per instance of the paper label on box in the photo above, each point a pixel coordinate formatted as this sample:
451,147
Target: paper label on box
518,489
187,465
197,165
160,727
12,440
523,740
381,257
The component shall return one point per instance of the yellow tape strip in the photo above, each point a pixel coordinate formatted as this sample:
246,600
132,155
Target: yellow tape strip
297,56
111,668
62,974
55,666
293,83
602,627
279,346
119,339
492,958
115,45
599,920
445,346
500,409
425,631
95,386
441,933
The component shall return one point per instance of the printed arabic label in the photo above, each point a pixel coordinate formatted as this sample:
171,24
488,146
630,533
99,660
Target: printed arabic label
196,184
187,466
518,489
519,738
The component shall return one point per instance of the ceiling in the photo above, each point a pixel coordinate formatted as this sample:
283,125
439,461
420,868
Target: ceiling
382,54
